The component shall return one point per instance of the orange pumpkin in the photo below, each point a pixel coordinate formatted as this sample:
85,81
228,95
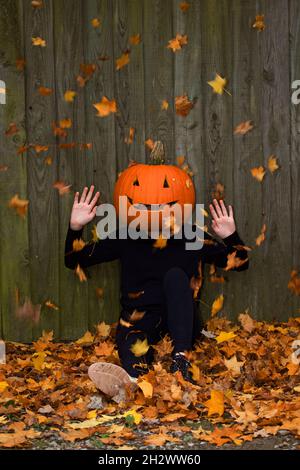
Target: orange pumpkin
157,184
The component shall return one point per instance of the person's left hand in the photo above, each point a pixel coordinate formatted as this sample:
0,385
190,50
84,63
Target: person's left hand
223,222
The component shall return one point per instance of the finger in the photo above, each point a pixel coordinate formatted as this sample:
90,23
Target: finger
218,208
94,200
213,212
230,211
84,193
214,225
76,197
223,208
90,194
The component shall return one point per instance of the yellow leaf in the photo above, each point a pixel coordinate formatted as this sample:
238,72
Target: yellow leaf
122,61
146,388
137,417
91,423
92,414
87,338
233,365
38,42
38,360
140,347
259,23
95,22
258,173
69,95
218,84
224,336
272,163
217,305
160,242
105,107
215,404
3,386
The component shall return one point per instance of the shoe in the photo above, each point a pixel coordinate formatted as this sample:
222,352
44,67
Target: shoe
180,363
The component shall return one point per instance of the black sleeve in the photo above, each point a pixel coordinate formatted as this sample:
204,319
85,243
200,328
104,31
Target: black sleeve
215,252
92,253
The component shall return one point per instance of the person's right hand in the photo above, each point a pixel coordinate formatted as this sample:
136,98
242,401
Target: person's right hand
83,210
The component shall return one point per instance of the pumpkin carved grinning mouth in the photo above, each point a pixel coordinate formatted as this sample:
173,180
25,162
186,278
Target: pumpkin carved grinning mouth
141,205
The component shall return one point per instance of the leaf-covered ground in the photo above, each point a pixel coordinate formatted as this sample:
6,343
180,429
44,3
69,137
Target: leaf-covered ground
247,393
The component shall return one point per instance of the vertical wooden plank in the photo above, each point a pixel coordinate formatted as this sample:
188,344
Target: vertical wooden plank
68,33
43,207
187,66
14,256
275,112
294,22
247,81
102,160
159,73
216,42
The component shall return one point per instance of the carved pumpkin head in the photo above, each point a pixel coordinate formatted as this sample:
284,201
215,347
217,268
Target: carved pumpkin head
158,184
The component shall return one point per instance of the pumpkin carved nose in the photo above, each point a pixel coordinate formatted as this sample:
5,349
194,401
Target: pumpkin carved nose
136,182
166,184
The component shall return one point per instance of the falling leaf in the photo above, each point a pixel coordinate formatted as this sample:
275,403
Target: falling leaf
38,42
233,261
80,273
258,173
129,139
177,43
215,404
160,242
247,322
95,22
69,96
164,105
140,347
40,148
136,315
12,129
259,23
261,237
135,295
184,6
122,61
225,336
78,244
218,192
135,40
183,105
20,64
272,164
65,123
99,292
37,3
294,283
20,205
62,187
217,305
44,91
218,85
125,323
243,128
149,143
146,388
105,107
50,304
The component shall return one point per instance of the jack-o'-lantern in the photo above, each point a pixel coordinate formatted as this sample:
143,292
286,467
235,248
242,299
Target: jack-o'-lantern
154,187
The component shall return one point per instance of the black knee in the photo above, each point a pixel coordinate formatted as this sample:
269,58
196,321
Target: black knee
175,278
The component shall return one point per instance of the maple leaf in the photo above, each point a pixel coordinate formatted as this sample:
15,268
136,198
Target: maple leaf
243,128
20,64
134,415
80,273
147,388
160,242
87,338
129,139
37,41
272,164
40,148
215,404
95,22
259,23
69,95
140,347
247,322
258,173
234,365
38,360
103,329
12,129
233,261
62,187
122,61
261,237
44,91
3,386
164,347
164,105
218,192
78,244
217,305
294,283
218,85
184,6
104,349
176,43
105,107
225,336
50,304
75,434
149,143
183,105
20,205
134,40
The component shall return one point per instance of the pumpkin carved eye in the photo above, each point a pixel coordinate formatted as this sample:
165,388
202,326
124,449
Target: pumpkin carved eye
136,182
166,184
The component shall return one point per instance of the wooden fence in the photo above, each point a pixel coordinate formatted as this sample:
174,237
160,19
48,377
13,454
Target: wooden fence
260,68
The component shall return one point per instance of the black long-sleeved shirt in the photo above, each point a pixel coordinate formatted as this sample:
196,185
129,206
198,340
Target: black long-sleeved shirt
143,266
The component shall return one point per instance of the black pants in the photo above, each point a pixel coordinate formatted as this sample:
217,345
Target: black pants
177,317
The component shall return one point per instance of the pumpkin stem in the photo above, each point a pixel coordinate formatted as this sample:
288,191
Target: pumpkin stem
157,155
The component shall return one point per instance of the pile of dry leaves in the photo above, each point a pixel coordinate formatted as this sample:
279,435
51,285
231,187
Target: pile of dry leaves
248,386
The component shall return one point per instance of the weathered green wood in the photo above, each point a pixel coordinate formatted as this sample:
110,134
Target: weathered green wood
14,255
101,161
294,23
72,163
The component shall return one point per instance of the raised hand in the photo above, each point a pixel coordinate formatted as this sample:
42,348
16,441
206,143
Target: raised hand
223,222
83,210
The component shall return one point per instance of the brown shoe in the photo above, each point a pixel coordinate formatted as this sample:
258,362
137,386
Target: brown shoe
109,378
